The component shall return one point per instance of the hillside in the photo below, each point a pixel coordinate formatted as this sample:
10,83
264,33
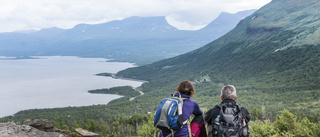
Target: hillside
135,39
272,56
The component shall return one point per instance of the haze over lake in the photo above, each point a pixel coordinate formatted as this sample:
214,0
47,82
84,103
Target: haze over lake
55,81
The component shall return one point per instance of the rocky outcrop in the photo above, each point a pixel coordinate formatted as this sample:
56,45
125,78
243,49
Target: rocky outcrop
39,128
41,124
12,130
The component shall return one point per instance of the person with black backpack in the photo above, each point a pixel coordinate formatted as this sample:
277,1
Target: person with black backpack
228,119
173,113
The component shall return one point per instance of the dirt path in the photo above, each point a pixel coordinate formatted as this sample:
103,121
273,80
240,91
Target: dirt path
141,93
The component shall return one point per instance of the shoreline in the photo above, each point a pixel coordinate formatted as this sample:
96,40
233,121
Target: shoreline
113,75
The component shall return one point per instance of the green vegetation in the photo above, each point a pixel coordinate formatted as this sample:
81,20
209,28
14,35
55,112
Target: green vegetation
106,74
286,124
113,127
122,90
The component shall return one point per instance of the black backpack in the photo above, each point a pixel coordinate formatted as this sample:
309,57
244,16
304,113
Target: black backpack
229,122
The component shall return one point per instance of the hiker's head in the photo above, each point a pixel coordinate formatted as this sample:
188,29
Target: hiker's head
186,87
228,92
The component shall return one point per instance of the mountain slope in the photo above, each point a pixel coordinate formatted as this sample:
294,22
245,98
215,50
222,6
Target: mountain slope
135,39
272,56
252,40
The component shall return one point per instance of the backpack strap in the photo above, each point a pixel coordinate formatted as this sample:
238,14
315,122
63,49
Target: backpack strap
189,128
219,105
175,94
220,108
155,132
239,111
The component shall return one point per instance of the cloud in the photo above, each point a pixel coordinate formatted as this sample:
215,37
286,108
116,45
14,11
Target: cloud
183,14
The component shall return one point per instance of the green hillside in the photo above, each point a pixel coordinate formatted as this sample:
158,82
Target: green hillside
272,57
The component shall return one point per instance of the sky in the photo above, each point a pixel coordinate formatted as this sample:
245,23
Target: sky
16,15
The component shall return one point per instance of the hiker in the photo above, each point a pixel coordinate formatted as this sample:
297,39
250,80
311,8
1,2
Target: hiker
185,90
228,118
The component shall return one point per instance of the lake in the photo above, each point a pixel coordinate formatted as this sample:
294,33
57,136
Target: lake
56,81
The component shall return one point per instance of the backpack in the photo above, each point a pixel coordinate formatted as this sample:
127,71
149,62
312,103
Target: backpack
167,117
197,126
229,122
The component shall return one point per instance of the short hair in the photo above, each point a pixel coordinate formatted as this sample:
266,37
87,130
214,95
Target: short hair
228,92
186,87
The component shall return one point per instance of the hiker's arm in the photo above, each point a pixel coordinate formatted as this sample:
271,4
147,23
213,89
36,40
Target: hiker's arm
211,114
197,111
246,114
208,116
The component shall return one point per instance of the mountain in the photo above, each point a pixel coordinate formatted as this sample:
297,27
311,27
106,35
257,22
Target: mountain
132,26
135,39
271,56
224,23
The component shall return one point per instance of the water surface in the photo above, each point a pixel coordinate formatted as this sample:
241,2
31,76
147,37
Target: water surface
56,81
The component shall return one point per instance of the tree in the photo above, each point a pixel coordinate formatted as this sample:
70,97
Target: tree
256,114
147,129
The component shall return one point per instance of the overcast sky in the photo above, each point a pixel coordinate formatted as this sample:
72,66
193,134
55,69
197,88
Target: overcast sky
182,14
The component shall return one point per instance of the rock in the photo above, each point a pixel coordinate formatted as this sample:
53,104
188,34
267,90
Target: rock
12,130
41,124
86,133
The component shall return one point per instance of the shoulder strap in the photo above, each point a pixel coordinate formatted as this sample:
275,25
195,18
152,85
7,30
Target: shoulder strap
219,105
189,129
184,99
155,132
240,111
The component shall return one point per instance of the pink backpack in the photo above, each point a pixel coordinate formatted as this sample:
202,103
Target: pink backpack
198,128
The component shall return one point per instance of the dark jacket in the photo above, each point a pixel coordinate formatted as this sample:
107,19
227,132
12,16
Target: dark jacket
214,112
189,107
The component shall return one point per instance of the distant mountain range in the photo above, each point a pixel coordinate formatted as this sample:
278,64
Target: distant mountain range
135,39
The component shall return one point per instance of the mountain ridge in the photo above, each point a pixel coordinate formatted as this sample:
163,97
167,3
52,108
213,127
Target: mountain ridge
135,39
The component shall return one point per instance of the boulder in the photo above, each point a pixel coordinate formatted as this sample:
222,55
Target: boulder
41,124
